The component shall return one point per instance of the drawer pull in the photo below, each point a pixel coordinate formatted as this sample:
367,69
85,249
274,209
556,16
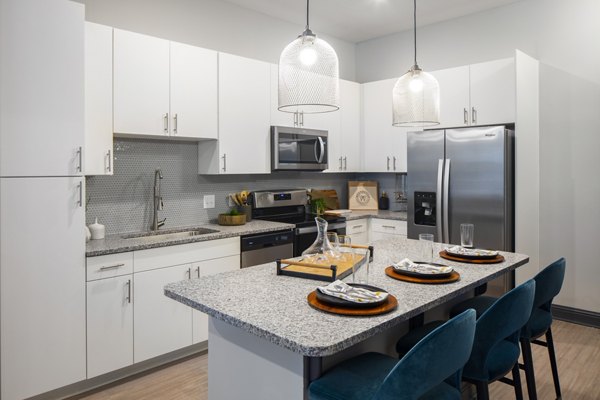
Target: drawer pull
357,226
109,267
388,226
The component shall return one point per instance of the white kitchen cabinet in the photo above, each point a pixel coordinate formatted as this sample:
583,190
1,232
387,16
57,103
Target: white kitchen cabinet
160,324
109,324
349,136
387,228
243,146
193,92
454,97
202,269
42,88
98,99
141,84
42,290
384,145
358,230
493,92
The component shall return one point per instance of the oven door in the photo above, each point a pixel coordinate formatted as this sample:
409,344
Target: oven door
306,236
298,149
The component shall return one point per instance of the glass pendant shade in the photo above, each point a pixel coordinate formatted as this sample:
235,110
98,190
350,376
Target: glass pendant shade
309,76
416,99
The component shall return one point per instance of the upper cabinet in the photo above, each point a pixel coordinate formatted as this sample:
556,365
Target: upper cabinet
478,94
344,143
41,87
98,99
163,88
244,120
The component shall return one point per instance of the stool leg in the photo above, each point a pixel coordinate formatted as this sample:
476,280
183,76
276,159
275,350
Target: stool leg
553,365
482,391
529,374
517,382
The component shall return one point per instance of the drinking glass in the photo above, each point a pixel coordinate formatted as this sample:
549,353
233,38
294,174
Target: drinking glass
426,240
360,273
335,244
345,247
467,231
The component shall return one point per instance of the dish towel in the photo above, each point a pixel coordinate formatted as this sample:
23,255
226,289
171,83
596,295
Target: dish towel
408,265
344,291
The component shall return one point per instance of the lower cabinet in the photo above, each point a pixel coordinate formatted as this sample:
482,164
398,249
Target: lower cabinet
358,230
386,229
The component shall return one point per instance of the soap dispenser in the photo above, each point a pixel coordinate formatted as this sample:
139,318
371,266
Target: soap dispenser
97,230
384,201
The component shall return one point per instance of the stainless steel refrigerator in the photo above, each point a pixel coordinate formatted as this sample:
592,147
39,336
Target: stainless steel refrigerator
460,176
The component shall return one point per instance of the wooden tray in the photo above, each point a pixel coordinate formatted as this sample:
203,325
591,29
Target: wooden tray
498,259
386,307
454,276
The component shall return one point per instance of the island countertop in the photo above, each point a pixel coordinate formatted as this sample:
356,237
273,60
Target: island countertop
275,308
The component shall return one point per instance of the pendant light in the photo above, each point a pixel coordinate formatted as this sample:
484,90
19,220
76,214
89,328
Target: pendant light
416,94
308,75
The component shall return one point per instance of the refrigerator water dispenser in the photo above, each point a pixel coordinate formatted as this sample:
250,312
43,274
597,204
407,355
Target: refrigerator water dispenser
425,208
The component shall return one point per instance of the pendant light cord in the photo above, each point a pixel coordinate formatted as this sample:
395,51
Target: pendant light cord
307,26
414,28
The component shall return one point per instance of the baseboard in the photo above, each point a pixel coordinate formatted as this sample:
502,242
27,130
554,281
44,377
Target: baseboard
576,316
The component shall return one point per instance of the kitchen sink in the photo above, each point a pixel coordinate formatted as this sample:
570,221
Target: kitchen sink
172,234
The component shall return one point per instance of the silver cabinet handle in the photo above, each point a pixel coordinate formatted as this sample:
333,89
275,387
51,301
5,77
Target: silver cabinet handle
198,272
388,226
301,118
357,226
128,284
438,201
189,273
388,163
109,267
345,163
109,157
394,162
175,124
465,116
341,168
79,167
296,118
224,157
80,188
166,123
446,197
474,115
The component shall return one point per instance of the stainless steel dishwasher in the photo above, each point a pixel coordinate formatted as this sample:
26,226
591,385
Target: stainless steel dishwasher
266,247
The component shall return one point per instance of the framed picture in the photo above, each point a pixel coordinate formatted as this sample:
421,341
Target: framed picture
362,195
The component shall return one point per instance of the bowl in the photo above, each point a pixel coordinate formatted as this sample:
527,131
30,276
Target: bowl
227,219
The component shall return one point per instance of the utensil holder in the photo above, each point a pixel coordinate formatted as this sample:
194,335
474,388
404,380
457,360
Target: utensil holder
247,211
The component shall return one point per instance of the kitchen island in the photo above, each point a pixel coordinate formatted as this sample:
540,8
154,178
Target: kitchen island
266,342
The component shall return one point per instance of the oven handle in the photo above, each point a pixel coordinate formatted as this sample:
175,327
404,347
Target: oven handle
312,229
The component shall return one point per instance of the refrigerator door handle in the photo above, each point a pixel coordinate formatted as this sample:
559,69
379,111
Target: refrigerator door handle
446,196
438,201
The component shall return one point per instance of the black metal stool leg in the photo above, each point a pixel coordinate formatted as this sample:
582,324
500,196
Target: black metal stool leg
482,391
516,374
553,365
529,374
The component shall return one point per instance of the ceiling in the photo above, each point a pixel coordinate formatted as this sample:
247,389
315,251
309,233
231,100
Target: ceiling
359,20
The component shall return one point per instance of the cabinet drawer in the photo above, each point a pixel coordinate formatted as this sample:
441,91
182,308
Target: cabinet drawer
389,226
146,260
357,226
109,266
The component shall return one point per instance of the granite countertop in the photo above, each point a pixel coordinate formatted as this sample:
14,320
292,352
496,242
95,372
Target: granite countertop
118,244
275,308
383,214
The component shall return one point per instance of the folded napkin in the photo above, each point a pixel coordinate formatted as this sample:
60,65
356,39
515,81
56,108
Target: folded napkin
344,291
470,252
408,265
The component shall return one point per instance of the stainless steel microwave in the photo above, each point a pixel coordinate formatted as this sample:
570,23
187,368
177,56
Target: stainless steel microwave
298,149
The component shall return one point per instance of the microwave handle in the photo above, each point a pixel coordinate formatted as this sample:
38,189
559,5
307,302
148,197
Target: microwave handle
321,154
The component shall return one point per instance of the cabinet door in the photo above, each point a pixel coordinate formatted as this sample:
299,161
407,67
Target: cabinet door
244,115
202,269
278,118
493,92
349,137
454,96
109,325
377,117
41,86
160,324
141,84
193,92
98,99
42,285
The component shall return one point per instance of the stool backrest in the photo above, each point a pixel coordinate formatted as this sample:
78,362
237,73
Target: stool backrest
436,357
548,283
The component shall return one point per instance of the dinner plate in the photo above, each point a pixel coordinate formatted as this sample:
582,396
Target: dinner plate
336,301
440,275
483,255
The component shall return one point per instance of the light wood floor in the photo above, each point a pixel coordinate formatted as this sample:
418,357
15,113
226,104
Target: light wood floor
578,357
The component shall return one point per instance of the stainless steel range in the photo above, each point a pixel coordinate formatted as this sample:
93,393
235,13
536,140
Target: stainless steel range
289,206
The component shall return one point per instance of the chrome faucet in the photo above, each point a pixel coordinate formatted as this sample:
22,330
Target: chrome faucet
158,201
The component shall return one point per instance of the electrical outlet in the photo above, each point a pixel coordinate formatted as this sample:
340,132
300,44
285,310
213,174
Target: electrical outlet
209,201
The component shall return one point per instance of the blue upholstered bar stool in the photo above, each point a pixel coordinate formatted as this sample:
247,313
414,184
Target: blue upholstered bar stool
496,345
431,370
548,283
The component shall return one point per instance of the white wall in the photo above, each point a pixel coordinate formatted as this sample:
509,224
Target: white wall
564,36
212,24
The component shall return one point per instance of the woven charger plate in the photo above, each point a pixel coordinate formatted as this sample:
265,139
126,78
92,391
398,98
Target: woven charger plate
454,276
386,307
